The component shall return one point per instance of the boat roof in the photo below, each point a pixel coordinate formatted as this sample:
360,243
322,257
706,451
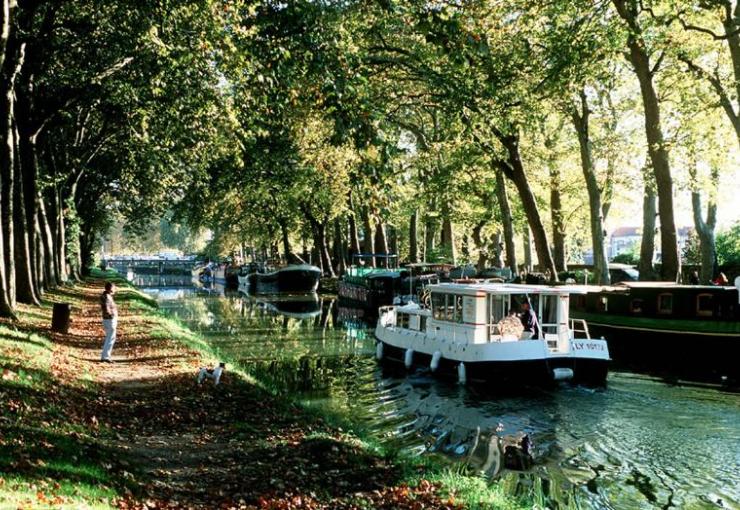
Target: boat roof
478,289
625,286
443,265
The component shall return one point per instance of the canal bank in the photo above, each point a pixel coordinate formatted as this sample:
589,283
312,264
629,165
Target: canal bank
140,433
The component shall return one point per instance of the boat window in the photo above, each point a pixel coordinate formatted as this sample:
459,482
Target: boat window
403,320
704,305
665,303
549,310
458,308
496,307
438,306
636,306
603,304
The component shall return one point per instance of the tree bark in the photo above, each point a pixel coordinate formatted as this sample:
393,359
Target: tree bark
513,168
290,256
447,239
527,235
556,216
430,234
480,246
647,244
381,242
25,291
580,117
324,249
354,239
367,240
47,244
507,222
414,237
340,247
640,60
705,230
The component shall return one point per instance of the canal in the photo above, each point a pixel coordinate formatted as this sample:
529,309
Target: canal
638,443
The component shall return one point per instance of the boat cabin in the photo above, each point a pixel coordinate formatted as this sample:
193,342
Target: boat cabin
485,312
662,300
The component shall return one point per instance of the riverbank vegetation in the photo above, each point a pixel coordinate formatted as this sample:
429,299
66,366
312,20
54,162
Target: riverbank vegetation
506,134
75,433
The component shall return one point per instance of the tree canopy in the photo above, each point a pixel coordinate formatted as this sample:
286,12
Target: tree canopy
500,133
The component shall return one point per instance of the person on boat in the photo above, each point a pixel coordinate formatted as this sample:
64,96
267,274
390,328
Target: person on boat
721,280
529,319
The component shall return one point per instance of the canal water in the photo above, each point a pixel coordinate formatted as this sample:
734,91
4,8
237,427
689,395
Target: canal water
638,443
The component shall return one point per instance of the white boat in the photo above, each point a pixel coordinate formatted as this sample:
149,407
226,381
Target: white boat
467,331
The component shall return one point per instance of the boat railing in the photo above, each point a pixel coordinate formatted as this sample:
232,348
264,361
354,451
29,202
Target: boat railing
579,326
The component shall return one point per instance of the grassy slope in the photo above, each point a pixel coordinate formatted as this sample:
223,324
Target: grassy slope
53,452
49,455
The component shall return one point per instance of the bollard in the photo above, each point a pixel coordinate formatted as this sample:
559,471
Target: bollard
60,317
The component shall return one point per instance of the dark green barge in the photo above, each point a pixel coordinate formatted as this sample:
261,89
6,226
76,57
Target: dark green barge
686,331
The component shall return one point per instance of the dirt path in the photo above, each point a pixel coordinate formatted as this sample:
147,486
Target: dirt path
174,444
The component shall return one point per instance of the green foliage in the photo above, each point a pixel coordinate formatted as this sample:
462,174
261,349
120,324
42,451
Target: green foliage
631,257
728,246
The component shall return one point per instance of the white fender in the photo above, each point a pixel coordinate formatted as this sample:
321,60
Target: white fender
462,373
379,351
562,374
434,365
409,358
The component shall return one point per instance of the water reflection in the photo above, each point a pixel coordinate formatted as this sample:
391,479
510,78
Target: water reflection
636,444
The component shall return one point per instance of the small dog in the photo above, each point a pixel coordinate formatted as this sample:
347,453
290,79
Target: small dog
211,373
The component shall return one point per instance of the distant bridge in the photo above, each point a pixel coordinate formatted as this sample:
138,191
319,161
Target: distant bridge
153,265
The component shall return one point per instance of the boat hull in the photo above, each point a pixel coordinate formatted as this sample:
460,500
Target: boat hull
708,357
290,280
493,373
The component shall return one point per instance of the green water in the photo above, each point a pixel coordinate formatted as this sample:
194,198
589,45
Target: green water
639,443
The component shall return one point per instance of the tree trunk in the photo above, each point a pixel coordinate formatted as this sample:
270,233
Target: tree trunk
580,119
480,246
447,239
354,238
647,244
25,291
290,257
556,216
498,259
430,234
527,249
507,222
414,237
7,278
640,60
340,247
513,168
60,237
367,240
323,248
381,242
392,240
705,230
47,245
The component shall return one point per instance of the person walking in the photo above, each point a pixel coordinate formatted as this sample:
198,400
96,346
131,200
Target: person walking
110,320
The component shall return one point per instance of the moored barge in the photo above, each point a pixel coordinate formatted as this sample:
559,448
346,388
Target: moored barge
686,331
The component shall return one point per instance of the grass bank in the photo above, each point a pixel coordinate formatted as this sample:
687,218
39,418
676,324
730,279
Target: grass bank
79,434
